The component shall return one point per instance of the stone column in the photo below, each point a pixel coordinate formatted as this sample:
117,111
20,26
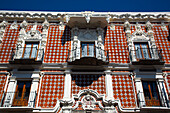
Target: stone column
140,93
109,88
162,92
33,92
67,86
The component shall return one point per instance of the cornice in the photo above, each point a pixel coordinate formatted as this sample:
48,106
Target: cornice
65,16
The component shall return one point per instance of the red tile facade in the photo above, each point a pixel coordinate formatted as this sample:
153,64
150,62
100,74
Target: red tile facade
52,89
161,40
94,82
2,85
123,90
9,42
115,42
58,45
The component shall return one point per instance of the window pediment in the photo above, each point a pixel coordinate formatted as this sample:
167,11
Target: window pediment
33,35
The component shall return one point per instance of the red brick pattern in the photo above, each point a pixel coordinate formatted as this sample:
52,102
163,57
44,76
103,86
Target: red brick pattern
123,90
162,42
58,45
2,85
52,89
94,82
9,42
115,42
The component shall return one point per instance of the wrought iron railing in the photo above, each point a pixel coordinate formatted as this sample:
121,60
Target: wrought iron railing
14,99
146,101
146,54
78,53
27,53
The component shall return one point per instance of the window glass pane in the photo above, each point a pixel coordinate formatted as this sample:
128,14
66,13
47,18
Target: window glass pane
34,50
145,50
27,51
91,50
138,51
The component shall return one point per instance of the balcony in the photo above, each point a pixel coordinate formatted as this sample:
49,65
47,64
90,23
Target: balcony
159,101
146,56
27,55
94,56
16,99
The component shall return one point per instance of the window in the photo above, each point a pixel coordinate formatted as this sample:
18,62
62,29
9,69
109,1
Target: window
151,93
142,51
22,93
30,50
87,49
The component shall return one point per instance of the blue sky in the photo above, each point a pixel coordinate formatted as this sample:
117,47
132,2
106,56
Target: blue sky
86,5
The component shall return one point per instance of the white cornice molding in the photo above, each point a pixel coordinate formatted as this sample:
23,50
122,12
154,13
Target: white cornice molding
62,15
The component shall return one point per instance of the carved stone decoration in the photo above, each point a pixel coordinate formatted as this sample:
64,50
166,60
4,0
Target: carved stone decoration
88,102
108,18
24,24
61,26
2,29
33,34
149,29
45,25
14,25
164,28
67,18
112,27
127,27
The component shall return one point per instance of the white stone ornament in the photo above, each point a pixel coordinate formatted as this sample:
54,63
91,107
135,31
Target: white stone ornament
88,102
24,24
112,27
14,25
61,25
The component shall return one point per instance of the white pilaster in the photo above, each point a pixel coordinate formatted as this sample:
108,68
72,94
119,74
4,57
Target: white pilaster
162,92
109,88
10,92
67,85
140,93
33,92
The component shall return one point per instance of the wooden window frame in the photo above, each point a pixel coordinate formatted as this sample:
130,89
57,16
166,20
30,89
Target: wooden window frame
23,101
140,43
151,101
94,51
32,43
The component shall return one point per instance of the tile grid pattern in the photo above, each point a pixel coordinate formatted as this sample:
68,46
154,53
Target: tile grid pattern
2,85
9,42
94,82
52,89
162,42
123,90
58,45
116,43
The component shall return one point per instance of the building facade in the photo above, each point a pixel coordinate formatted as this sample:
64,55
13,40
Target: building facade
84,62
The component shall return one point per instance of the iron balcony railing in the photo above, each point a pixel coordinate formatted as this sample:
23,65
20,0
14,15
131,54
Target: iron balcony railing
146,54
151,102
78,53
16,99
27,53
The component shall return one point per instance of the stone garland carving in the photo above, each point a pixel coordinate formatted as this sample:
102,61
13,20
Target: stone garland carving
2,29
